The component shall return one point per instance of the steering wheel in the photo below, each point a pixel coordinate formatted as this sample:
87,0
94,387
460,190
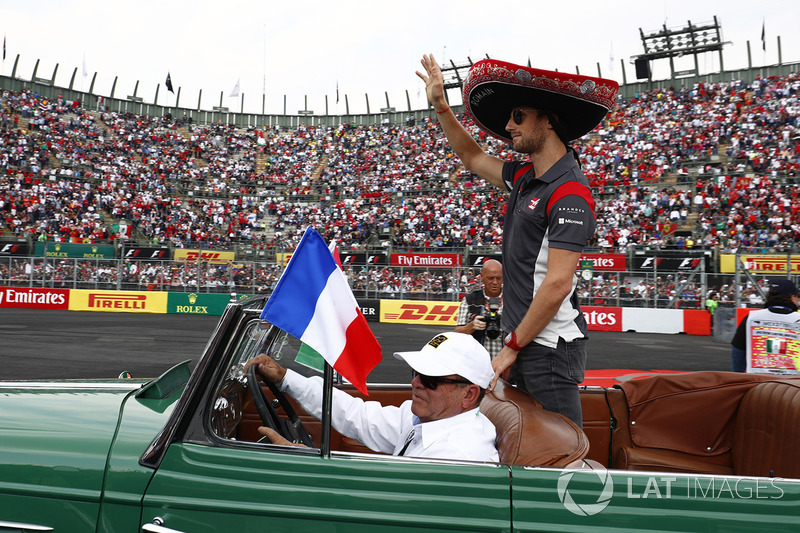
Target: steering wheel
291,429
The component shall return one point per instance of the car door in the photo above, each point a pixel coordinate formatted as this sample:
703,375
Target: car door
208,488
547,499
213,475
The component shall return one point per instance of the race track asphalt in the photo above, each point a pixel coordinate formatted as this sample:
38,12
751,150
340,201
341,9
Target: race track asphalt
36,344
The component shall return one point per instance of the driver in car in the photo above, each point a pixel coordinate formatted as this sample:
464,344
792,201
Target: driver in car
441,420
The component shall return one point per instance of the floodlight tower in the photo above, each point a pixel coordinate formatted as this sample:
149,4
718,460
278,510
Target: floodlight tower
672,43
454,73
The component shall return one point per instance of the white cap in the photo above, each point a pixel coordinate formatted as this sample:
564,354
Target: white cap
452,353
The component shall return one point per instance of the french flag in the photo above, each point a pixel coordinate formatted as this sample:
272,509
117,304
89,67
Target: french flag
313,302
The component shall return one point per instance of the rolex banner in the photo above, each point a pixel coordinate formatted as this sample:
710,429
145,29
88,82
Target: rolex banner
65,250
197,303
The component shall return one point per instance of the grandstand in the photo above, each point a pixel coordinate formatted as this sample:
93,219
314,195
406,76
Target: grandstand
680,165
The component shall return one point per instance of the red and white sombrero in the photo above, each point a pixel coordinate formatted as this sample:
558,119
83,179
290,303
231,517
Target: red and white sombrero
493,88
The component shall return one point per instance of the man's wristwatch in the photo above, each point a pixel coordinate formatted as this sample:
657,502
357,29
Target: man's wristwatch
511,341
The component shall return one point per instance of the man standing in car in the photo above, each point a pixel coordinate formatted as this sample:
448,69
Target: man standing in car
550,213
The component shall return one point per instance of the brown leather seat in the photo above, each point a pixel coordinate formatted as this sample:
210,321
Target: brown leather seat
528,435
767,433
708,422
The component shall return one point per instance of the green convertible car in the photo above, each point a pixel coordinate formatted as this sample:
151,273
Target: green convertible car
705,451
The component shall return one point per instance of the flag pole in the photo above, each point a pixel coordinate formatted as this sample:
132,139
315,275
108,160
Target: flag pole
327,403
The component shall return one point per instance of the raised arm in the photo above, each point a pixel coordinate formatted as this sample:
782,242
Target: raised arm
471,154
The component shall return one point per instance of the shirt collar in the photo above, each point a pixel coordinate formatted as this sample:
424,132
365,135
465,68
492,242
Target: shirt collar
559,168
435,430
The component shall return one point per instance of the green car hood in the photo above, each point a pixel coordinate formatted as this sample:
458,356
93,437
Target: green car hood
56,438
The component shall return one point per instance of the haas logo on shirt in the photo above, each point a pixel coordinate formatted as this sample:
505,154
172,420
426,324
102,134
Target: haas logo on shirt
534,202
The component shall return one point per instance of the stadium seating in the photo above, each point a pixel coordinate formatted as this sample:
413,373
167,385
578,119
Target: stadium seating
715,161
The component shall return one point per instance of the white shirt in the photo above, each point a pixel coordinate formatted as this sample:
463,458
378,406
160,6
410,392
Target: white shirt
467,436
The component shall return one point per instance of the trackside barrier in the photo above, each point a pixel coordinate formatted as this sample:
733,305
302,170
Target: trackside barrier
598,318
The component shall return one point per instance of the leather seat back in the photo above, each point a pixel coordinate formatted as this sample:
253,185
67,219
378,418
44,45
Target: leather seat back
527,434
767,433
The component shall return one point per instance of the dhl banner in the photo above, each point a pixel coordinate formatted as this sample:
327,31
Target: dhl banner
419,312
118,301
283,258
760,263
210,256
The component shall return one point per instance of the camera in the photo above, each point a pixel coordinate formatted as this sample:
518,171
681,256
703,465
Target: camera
492,317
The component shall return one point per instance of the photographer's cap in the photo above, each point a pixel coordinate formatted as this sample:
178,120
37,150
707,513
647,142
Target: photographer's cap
783,286
452,353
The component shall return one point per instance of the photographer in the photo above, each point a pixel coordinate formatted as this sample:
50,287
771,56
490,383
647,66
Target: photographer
480,310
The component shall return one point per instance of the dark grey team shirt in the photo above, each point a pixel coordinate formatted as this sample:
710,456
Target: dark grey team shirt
555,210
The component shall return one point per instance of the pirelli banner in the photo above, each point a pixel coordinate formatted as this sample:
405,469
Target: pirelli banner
118,301
761,263
419,312
204,256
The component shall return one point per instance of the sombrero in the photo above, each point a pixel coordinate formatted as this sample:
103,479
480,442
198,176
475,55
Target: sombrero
493,88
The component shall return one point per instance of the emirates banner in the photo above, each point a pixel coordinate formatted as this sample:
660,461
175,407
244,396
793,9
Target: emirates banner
424,260
32,298
603,318
610,262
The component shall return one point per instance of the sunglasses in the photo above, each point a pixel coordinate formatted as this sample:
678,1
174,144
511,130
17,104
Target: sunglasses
433,382
518,115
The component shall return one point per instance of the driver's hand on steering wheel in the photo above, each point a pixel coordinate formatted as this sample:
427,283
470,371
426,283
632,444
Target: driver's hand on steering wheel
269,369
276,438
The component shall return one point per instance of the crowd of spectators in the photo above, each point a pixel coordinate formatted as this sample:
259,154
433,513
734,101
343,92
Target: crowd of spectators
626,289
70,174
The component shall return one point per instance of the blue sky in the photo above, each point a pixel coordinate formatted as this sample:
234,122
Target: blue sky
304,50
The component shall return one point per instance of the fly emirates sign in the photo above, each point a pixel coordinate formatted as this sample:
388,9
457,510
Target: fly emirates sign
603,318
31,298
426,260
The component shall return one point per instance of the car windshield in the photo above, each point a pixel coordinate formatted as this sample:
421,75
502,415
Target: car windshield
262,338
232,414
